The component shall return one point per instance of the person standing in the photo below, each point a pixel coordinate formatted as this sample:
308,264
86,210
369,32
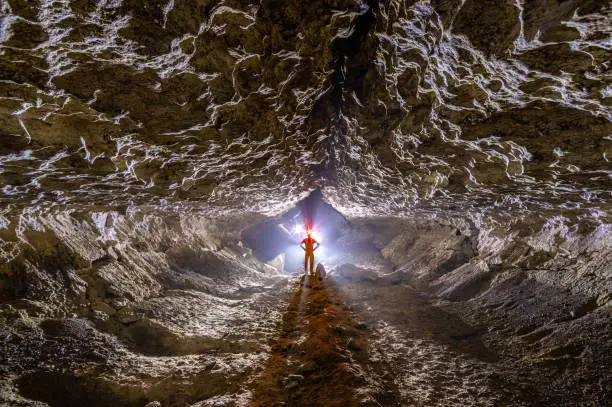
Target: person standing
309,245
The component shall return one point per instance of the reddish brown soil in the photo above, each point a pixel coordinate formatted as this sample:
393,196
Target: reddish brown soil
317,340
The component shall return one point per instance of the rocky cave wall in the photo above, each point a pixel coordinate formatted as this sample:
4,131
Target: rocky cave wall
118,295
468,142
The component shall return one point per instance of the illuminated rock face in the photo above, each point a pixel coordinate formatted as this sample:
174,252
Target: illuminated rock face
466,143
249,106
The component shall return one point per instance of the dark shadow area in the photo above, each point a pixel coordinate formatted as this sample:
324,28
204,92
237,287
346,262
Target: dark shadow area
68,390
267,239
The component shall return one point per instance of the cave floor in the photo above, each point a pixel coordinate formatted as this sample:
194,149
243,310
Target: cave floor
320,357
302,341
343,344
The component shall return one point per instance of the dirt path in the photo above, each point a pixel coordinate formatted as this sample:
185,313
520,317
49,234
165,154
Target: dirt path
345,344
320,357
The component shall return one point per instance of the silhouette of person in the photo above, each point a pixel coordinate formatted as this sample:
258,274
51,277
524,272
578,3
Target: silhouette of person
309,245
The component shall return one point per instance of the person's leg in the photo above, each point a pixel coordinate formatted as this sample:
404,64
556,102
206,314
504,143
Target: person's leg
312,263
305,262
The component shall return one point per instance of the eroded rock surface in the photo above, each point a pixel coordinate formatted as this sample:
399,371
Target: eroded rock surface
467,145
182,103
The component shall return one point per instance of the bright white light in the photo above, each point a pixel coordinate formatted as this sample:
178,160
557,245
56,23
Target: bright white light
316,236
300,230
320,254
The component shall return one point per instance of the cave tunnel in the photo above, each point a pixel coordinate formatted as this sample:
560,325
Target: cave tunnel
162,161
280,237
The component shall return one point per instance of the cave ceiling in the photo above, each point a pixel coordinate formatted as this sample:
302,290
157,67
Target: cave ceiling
388,107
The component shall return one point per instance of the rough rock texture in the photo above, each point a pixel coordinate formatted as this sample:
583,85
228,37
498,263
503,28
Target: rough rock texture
467,143
118,304
184,104
506,316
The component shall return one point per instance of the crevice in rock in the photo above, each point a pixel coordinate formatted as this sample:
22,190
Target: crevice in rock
346,49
